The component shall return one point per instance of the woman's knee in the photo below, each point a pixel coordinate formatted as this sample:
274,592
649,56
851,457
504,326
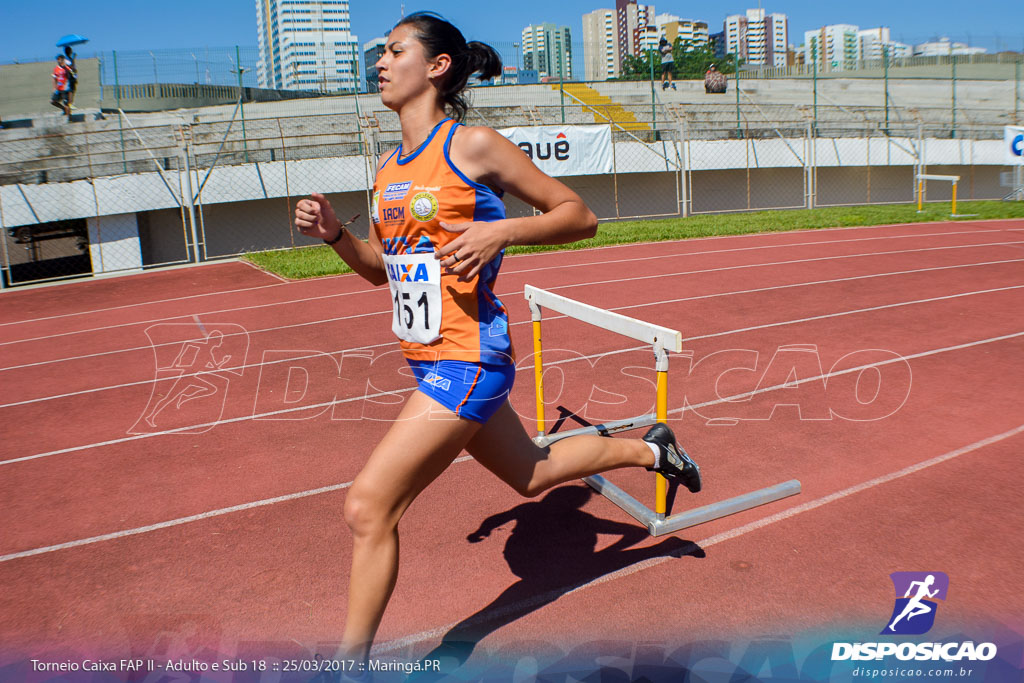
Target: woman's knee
366,514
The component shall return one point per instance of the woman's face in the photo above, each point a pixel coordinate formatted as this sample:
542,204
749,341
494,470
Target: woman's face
403,71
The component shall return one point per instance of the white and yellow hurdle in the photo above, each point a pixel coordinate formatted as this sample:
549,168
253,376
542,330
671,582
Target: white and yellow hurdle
663,341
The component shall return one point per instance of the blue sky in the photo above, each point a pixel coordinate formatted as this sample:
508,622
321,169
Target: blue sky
31,28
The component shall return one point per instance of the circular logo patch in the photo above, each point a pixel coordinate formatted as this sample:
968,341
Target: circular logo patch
423,206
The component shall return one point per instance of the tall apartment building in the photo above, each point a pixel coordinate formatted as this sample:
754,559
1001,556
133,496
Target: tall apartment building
758,38
547,49
840,46
306,45
835,46
689,32
635,28
372,51
600,48
876,41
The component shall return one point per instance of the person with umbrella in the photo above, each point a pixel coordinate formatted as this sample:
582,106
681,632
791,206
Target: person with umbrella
69,63
61,87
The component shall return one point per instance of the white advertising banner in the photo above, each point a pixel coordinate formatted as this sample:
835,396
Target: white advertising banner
1013,147
565,150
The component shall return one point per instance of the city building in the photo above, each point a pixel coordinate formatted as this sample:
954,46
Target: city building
306,45
690,33
717,41
600,48
547,49
372,51
635,28
943,46
757,38
833,47
877,42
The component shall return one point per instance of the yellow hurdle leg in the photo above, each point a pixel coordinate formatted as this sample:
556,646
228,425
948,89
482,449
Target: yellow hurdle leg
954,198
538,376
661,490
920,194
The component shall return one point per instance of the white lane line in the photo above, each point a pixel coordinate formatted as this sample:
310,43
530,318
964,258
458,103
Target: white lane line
754,248
505,273
501,295
546,598
635,278
325,405
243,367
185,520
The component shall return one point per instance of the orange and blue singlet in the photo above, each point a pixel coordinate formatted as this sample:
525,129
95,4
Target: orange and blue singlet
454,334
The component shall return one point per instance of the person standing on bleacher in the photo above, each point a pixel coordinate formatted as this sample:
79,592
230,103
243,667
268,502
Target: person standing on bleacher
69,64
61,87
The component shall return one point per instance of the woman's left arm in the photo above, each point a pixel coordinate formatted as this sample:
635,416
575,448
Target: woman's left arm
489,158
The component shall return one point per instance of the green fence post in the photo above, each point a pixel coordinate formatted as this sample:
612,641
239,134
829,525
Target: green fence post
739,125
952,132
241,103
654,115
885,67
120,119
561,93
355,93
814,78
1016,92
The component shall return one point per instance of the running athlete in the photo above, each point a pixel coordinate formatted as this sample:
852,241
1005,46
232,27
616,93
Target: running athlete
438,236
916,605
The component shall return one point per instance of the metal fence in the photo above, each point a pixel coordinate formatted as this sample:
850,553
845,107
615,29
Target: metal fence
136,191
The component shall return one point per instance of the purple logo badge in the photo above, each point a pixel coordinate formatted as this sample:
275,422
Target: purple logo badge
916,595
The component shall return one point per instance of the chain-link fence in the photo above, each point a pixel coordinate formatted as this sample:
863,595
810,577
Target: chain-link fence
134,191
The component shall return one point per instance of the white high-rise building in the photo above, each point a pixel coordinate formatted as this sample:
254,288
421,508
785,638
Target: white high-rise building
600,49
758,38
306,45
874,42
548,50
836,46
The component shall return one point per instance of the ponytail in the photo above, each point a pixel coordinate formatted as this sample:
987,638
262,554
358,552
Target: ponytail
439,36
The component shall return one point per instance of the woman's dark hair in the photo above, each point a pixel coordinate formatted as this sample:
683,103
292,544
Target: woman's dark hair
439,36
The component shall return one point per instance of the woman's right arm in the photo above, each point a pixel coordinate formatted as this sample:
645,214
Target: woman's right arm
314,217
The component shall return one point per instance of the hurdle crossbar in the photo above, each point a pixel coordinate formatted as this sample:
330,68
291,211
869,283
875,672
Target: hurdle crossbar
921,177
662,341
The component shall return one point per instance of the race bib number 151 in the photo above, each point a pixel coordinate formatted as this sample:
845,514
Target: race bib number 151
415,281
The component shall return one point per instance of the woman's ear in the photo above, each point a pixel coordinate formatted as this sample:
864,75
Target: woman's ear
440,65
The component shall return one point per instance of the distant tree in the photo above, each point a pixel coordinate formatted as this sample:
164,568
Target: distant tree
691,61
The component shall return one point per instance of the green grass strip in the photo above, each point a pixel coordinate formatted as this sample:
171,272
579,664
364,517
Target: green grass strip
307,262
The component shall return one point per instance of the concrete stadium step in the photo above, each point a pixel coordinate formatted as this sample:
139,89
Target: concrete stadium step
603,108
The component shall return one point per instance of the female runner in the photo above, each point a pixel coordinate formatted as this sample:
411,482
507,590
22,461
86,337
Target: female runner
439,233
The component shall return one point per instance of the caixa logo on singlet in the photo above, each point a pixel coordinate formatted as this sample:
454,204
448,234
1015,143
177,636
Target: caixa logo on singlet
559,150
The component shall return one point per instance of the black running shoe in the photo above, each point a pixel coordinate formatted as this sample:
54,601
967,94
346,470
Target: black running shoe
673,463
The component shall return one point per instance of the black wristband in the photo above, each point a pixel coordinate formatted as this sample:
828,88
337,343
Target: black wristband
341,231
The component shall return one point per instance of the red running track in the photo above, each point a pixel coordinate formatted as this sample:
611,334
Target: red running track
220,523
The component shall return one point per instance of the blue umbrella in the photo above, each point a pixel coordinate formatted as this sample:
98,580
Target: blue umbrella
72,39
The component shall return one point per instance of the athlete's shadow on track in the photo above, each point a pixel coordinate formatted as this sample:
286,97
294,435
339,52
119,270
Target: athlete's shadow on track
552,549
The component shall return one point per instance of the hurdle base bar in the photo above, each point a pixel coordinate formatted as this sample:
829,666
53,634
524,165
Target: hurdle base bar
658,525
605,429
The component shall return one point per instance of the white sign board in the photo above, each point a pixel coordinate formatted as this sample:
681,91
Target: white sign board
565,150
1013,147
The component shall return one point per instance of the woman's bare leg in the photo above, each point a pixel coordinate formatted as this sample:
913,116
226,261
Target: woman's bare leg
424,440
503,446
